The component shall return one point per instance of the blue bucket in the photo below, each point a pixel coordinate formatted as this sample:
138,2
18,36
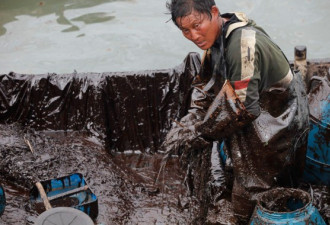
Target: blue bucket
285,206
2,200
317,167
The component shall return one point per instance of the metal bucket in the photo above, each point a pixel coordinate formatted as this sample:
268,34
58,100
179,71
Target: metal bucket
317,168
285,206
2,200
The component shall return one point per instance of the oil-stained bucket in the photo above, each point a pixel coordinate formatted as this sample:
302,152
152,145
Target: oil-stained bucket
285,206
2,200
317,168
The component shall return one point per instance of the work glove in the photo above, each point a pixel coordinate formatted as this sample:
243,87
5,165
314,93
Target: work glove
225,115
183,136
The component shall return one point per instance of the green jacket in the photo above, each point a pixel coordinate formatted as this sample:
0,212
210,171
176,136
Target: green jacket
254,62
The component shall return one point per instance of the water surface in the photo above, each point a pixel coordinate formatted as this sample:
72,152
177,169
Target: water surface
62,36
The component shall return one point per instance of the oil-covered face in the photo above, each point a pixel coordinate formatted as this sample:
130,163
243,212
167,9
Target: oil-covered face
200,28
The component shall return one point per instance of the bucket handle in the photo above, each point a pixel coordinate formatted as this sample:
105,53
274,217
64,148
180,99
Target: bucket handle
43,195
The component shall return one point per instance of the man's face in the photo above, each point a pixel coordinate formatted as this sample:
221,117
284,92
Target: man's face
200,29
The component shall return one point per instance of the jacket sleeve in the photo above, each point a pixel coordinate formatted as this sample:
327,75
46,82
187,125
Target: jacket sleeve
215,117
243,63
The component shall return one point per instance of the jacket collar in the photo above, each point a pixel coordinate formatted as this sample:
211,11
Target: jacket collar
236,20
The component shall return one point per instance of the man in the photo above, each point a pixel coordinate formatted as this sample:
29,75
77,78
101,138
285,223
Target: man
245,95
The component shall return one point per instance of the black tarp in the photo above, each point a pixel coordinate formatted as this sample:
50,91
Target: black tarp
128,110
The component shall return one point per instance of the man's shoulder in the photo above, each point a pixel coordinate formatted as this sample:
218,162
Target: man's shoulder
247,34
241,35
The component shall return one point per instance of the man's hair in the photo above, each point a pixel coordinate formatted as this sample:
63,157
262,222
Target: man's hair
182,8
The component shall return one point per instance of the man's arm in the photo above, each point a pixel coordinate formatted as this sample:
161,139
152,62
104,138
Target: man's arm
237,104
226,115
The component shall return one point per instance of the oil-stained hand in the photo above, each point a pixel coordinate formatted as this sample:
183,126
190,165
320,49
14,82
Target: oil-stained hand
182,137
225,115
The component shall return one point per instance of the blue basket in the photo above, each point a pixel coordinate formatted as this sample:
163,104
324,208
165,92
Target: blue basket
299,211
83,200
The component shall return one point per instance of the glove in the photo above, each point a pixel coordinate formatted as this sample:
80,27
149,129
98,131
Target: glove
183,136
225,115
